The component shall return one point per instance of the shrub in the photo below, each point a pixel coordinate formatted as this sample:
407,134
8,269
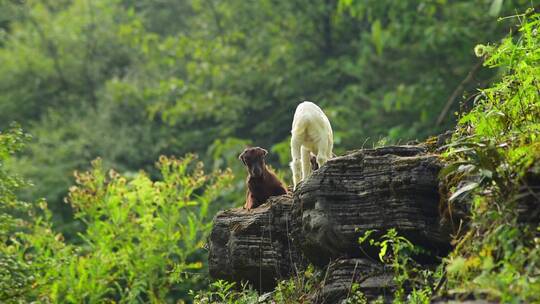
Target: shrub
494,158
225,292
16,274
413,282
143,239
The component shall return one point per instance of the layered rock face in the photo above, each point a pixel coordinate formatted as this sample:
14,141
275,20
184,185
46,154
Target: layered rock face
372,278
375,189
253,245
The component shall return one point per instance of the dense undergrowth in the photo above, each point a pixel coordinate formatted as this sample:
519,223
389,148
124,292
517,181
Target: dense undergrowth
494,176
143,239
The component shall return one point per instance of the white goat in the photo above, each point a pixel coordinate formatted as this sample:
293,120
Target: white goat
311,133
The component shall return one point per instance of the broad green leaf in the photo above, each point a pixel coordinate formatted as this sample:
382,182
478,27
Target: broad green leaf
463,190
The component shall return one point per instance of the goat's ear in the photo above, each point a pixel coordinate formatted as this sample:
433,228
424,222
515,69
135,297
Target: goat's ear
263,151
241,157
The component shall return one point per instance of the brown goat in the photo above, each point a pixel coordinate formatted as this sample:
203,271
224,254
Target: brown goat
261,182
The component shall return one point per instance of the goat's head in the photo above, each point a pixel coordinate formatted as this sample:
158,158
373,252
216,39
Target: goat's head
253,159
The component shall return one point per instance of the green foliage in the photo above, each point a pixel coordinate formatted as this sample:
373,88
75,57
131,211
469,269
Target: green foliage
64,143
494,158
128,80
224,292
413,283
11,141
56,60
16,274
300,288
143,239
356,296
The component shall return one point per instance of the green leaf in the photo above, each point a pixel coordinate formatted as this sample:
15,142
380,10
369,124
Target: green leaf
377,36
382,252
467,188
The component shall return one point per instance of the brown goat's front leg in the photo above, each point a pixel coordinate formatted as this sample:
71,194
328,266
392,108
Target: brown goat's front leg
249,201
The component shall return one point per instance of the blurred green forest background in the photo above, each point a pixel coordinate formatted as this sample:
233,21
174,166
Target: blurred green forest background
129,80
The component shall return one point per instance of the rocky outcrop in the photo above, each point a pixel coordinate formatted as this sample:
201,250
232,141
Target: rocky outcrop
253,245
374,189
372,278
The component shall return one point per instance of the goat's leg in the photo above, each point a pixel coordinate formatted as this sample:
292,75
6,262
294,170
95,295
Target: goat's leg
296,165
321,159
249,201
306,163
324,153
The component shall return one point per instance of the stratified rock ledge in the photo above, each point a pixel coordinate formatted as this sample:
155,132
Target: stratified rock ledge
373,280
375,189
253,245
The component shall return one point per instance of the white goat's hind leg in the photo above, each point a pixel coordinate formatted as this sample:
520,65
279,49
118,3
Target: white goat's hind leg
321,159
306,163
323,154
296,165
